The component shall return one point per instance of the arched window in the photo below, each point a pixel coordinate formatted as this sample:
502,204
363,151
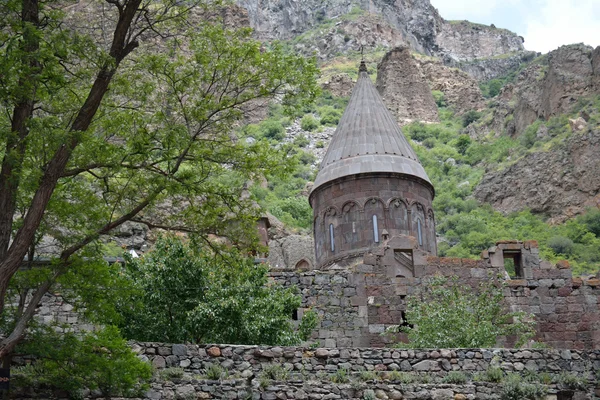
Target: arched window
375,229
331,239
419,232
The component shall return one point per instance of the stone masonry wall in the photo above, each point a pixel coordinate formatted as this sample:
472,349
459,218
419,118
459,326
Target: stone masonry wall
358,303
269,373
311,372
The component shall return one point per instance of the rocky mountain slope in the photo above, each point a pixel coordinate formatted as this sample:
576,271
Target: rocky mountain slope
404,89
488,51
560,183
549,86
427,68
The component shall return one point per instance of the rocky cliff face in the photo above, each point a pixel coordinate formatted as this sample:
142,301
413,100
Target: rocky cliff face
405,82
404,89
461,91
463,40
415,23
547,88
484,69
285,19
559,183
368,31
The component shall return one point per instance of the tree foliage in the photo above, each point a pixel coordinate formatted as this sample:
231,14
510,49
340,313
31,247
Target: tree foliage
127,118
99,360
186,294
446,314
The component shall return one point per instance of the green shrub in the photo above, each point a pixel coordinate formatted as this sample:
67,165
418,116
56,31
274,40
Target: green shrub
515,388
529,137
236,303
470,117
168,374
369,394
272,129
418,131
439,97
301,141
320,144
491,88
493,374
592,221
306,158
572,381
401,376
340,376
99,360
462,144
329,115
310,320
276,372
309,123
561,245
447,314
456,378
369,376
215,372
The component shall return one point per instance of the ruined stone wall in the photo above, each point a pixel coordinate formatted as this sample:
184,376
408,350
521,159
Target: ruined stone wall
357,304
305,373
566,308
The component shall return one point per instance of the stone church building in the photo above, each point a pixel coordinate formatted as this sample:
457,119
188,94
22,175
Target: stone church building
371,186
375,243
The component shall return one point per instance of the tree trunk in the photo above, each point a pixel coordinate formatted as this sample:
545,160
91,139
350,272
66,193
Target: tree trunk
10,173
13,257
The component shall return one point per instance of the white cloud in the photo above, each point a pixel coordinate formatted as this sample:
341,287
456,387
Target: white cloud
563,22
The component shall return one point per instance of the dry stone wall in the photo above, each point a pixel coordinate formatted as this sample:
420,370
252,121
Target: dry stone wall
269,373
306,373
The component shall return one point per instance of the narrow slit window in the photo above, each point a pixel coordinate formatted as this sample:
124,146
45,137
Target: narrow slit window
419,232
375,229
331,237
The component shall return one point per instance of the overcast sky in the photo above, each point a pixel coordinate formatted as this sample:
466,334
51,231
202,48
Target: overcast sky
545,24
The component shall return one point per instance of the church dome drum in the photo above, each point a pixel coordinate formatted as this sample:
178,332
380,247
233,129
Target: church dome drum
370,184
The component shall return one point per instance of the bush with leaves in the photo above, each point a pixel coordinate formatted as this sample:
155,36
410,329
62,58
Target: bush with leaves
561,245
514,387
186,293
470,117
100,360
439,97
446,314
309,123
592,221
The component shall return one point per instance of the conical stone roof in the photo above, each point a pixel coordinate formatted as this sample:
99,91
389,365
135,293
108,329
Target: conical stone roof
368,139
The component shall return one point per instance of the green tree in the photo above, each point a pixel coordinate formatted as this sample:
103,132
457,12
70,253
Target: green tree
185,294
131,122
99,360
446,314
